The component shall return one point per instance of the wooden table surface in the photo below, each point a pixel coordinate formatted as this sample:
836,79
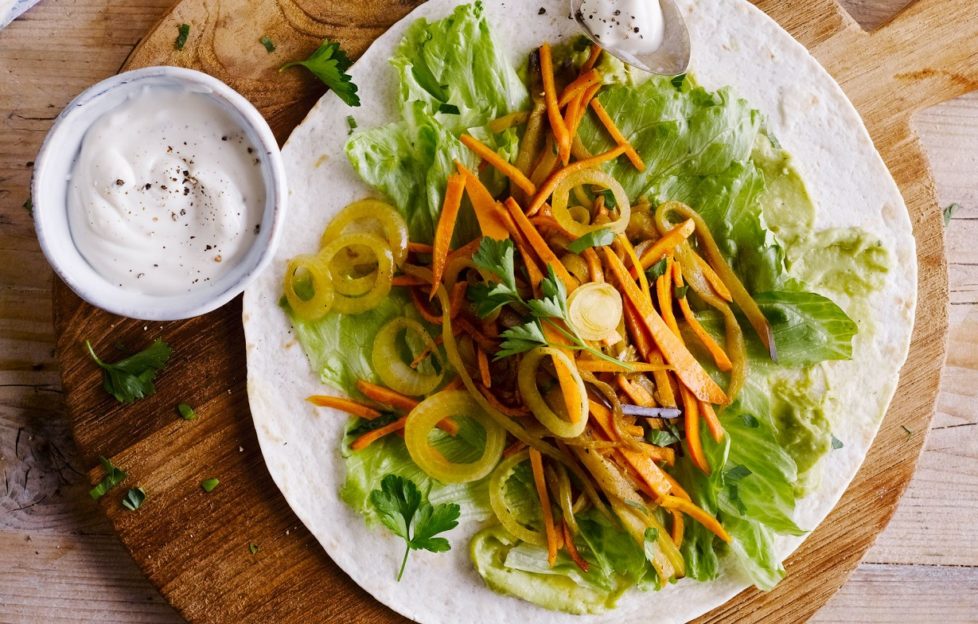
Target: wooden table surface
59,560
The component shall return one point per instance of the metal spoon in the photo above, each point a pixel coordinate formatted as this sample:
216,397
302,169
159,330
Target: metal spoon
672,57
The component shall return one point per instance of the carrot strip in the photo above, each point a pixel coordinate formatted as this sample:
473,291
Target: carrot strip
536,464
553,106
424,355
663,385
463,326
643,280
386,396
675,352
694,512
446,228
345,405
719,356
604,366
592,60
372,436
678,527
712,422
668,243
640,337
713,279
616,135
639,395
594,265
420,248
586,100
512,412
693,441
408,280
514,448
484,368
569,388
573,111
457,299
572,548
538,244
660,453
664,292
485,207
652,477
488,155
579,86
548,188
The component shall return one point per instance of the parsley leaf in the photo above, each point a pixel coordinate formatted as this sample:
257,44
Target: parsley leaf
113,477
949,213
183,31
497,258
661,437
521,339
208,485
598,238
329,63
186,412
679,81
132,378
351,123
134,498
268,43
408,514
554,303
253,548
657,270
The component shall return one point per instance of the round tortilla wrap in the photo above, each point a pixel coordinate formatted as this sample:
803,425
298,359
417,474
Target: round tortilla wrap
735,44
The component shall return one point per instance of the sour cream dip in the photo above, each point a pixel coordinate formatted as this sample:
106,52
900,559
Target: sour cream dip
166,194
632,27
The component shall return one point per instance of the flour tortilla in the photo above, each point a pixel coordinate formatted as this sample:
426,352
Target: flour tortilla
735,44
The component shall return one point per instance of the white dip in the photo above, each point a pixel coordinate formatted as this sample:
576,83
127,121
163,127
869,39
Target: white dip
632,27
166,194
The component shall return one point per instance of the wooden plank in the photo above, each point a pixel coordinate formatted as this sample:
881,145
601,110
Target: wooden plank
93,40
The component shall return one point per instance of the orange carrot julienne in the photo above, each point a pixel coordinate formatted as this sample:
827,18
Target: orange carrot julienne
603,366
536,464
678,527
548,188
643,280
616,135
488,155
586,100
689,371
484,205
538,244
594,269
713,279
579,86
571,548
651,476
533,270
659,453
694,512
712,422
570,390
553,106
693,441
719,356
386,396
446,228
636,393
668,243
484,368
372,436
420,248
664,292
573,110
592,60
408,280
345,405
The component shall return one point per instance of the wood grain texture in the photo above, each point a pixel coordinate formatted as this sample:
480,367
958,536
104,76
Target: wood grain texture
931,525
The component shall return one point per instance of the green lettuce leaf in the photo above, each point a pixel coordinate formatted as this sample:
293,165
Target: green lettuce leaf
808,328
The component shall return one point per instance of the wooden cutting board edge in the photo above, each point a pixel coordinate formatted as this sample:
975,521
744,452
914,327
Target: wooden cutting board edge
831,36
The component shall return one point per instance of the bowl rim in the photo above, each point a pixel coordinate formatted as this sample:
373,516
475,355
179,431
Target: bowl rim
179,306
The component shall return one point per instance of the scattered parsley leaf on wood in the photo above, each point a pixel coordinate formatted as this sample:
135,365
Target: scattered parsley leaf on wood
113,477
134,498
949,213
132,378
329,63
406,512
208,485
599,238
183,31
253,549
29,205
268,43
186,412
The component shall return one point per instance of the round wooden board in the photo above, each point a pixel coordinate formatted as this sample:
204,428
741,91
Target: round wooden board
195,546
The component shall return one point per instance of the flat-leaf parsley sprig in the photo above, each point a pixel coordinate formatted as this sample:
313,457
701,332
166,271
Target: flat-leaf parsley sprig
329,63
406,512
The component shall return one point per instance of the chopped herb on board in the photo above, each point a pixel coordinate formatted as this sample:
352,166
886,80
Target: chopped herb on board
208,485
183,31
268,43
329,63
949,213
253,548
29,205
134,498
186,412
132,378
113,477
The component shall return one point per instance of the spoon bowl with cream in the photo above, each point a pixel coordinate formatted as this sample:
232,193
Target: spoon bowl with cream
648,34
159,194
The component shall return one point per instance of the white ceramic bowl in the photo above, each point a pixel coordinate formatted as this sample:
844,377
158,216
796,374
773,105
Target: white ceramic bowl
54,164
